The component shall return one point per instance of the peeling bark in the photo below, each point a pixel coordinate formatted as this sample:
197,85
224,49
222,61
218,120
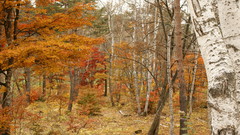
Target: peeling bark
220,22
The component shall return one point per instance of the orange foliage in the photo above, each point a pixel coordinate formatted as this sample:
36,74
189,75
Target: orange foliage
6,120
44,41
200,81
43,3
201,78
35,95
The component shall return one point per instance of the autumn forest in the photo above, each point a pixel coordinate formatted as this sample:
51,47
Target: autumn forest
115,67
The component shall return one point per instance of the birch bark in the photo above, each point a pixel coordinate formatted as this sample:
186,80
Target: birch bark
193,82
135,74
217,27
149,61
110,25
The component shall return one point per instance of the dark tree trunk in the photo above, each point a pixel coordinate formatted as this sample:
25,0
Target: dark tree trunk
44,85
9,27
73,89
71,74
76,80
105,87
179,54
110,84
6,100
28,83
9,32
161,103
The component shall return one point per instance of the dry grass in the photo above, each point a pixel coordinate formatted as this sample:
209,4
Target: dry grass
109,122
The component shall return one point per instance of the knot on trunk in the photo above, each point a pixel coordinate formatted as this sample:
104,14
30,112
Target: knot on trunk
227,131
224,86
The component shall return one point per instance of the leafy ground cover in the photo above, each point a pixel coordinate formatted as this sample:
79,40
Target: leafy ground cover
45,118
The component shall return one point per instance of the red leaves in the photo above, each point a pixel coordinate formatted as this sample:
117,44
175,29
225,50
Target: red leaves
93,65
3,45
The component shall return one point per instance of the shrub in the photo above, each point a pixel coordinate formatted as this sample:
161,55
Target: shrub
89,104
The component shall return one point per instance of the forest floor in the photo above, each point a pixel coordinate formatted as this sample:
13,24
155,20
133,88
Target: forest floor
47,119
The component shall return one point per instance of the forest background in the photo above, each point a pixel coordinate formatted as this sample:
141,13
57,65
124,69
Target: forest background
71,67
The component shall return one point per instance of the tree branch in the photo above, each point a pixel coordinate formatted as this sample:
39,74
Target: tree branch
3,84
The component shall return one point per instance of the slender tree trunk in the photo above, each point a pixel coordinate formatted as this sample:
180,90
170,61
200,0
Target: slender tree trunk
164,93
44,84
161,103
71,98
137,90
51,83
28,83
149,82
110,25
149,60
75,81
16,21
135,73
216,24
193,82
73,74
179,55
171,130
156,26
105,87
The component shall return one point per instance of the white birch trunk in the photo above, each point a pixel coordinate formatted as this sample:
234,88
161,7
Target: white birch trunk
135,75
156,26
110,25
217,26
193,82
148,93
149,63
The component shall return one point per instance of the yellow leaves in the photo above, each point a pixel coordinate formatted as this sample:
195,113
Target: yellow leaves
81,40
80,7
29,61
44,23
100,66
100,76
43,3
13,4
3,89
51,51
